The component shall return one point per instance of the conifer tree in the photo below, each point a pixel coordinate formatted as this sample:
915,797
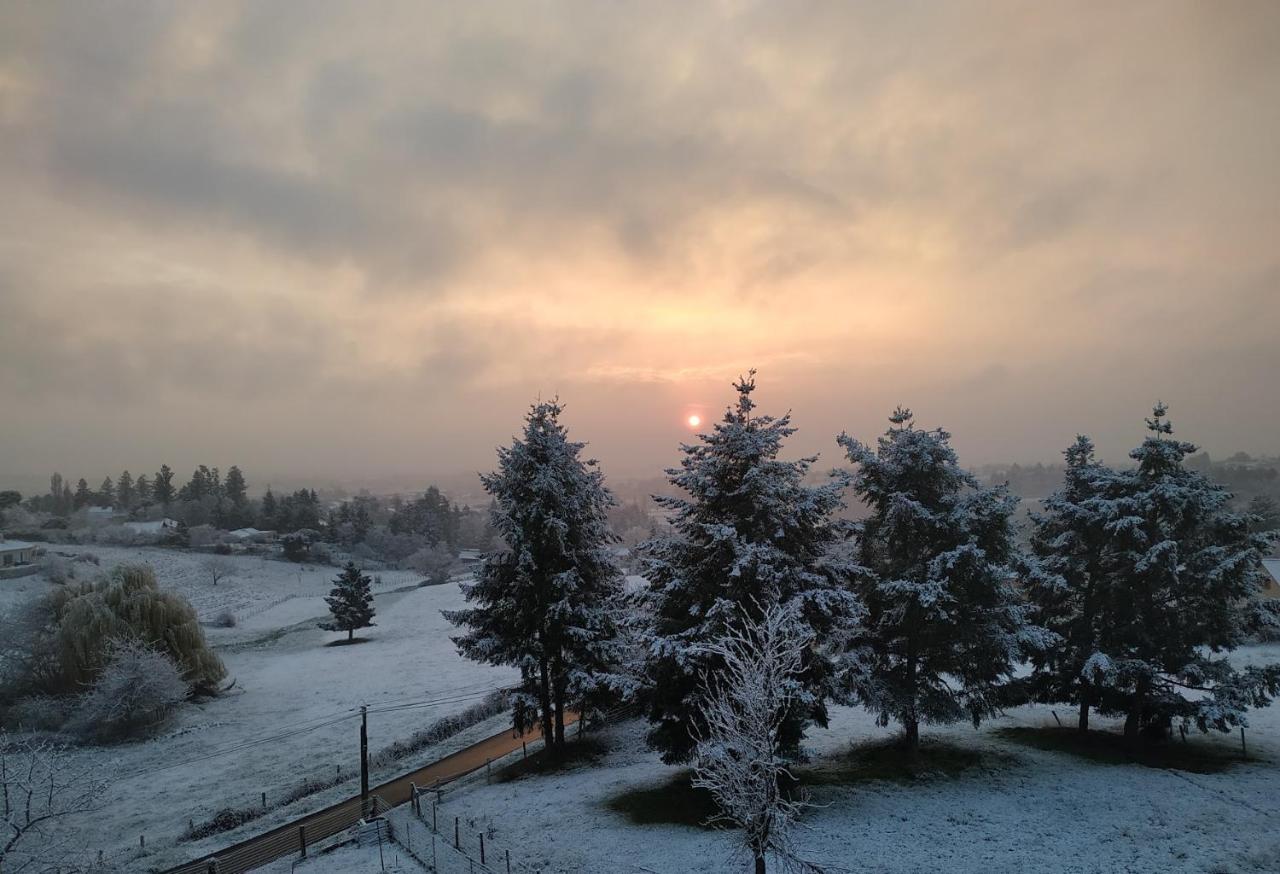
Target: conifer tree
106,496
142,489
350,602
944,627
545,600
83,496
1186,577
126,493
1067,576
162,486
749,535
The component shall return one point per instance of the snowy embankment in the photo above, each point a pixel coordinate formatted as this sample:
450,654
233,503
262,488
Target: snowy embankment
293,710
1015,808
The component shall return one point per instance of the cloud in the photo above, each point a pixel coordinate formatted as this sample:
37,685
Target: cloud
265,208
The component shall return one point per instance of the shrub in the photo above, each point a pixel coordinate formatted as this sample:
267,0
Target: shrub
88,558
137,691
56,569
443,729
224,820
38,713
127,604
225,619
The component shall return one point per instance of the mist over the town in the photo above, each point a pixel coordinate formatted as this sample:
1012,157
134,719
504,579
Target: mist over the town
723,436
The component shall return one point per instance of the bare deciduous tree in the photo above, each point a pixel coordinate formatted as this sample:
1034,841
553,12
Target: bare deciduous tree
41,783
739,754
217,568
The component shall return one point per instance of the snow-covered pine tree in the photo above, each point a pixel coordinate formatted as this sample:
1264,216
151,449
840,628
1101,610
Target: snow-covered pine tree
546,601
1066,576
350,601
750,534
944,626
1186,578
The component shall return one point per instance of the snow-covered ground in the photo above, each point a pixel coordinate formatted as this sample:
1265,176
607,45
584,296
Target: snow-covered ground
286,679
349,859
1019,809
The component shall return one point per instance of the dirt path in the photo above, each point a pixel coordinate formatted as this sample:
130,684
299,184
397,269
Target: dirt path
286,839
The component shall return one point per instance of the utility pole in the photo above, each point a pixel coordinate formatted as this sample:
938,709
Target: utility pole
364,760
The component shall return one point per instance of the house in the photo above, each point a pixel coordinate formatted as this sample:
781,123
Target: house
467,557
1271,582
160,526
14,553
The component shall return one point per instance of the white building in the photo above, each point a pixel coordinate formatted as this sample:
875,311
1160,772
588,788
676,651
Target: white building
16,552
1271,587
160,526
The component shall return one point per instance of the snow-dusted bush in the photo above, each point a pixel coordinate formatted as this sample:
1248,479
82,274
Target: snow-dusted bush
137,691
434,563
443,729
38,713
203,536
88,558
125,604
225,619
56,569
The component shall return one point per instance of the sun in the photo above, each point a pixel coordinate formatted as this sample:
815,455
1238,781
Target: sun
695,420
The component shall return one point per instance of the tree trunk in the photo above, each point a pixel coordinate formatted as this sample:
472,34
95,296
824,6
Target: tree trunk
759,864
911,719
558,691
350,634
544,701
1083,725
1133,721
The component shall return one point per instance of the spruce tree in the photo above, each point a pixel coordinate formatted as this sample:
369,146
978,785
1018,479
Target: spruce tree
944,627
749,535
545,600
126,494
1186,576
162,486
142,490
350,602
83,496
1067,576
106,496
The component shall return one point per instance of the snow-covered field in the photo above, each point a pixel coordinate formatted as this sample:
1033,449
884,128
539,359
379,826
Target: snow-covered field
1020,809
286,678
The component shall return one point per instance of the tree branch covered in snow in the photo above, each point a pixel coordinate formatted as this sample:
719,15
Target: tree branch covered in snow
739,750
41,783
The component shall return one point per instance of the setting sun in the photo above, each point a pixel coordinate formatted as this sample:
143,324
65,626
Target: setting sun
695,420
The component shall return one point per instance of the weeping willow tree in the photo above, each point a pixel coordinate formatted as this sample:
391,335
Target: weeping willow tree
127,604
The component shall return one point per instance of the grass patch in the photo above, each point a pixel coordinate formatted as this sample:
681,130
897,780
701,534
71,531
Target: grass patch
884,760
577,751
674,802
1109,748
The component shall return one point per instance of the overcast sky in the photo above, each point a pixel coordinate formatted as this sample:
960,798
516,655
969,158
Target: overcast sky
356,240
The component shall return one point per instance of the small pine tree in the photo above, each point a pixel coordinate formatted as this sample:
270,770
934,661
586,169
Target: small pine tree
107,493
1066,576
126,493
162,486
83,496
1185,578
350,602
750,535
142,490
944,627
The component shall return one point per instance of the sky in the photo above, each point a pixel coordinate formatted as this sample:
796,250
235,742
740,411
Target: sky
355,241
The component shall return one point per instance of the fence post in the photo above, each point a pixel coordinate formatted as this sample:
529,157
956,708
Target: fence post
487,771
433,815
264,801
433,852
481,848
142,839
524,748
413,797
508,862
457,842
302,840
1244,751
